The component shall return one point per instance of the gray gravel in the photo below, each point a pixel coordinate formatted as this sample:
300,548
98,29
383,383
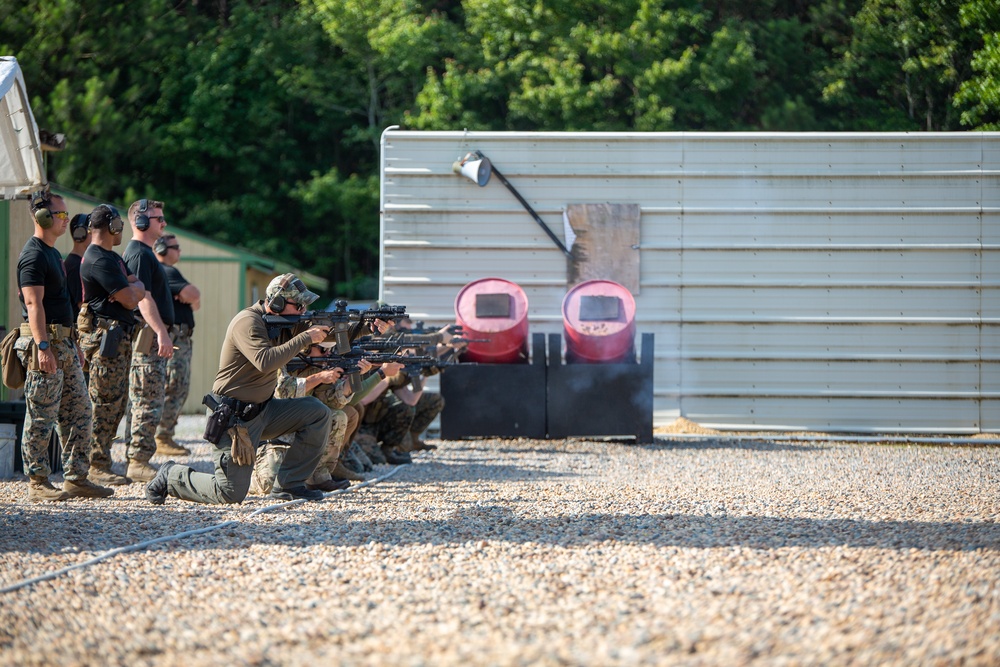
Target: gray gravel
516,552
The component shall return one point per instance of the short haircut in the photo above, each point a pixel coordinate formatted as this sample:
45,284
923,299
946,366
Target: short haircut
134,208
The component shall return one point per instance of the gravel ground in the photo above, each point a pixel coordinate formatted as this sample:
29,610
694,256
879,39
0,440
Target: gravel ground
511,552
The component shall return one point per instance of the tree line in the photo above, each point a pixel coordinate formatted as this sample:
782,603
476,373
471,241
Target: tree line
259,121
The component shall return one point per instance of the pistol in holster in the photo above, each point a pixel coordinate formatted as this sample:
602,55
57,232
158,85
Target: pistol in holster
143,343
221,420
111,340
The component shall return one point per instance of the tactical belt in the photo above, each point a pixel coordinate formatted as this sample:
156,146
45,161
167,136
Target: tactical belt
104,324
244,411
57,332
180,330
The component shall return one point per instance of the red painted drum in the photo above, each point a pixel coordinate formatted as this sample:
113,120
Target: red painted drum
599,322
496,309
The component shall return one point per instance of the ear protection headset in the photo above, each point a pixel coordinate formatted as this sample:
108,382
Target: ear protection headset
277,302
161,246
115,222
79,226
141,219
40,203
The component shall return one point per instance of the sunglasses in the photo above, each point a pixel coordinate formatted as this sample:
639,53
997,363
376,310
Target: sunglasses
173,247
62,215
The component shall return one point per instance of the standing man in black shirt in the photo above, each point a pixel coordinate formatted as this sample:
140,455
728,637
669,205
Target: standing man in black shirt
107,325
152,346
79,229
55,394
187,299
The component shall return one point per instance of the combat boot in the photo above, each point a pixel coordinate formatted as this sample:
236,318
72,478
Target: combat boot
84,488
105,477
350,460
167,446
156,490
369,445
140,471
418,445
342,472
40,489
359,454
396,457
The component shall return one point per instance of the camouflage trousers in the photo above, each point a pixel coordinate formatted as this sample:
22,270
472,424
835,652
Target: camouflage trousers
394,419
146,382
177,386
334,445
271,455
55,401
108,388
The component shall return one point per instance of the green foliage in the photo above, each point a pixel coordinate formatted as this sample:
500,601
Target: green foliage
252,119
980,93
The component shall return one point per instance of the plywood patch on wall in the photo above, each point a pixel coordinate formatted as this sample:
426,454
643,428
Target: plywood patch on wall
605,244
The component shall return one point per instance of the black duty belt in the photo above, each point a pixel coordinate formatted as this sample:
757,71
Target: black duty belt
105,323
181,330
244,410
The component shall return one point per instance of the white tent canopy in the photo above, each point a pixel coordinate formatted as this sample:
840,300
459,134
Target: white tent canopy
20,149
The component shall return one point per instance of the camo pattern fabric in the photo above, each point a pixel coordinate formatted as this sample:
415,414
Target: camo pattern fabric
108,389
392,419
147,380
178,385
332,398
270,456
55,401
327,462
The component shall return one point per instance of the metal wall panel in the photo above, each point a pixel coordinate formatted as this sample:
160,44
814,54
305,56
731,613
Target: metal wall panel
838,282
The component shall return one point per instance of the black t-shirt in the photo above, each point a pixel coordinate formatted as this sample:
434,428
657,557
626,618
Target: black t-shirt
103,273
40,265
143,263
73,284
183,314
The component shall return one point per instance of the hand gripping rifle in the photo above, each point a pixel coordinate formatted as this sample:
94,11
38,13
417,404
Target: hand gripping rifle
349,362
344,324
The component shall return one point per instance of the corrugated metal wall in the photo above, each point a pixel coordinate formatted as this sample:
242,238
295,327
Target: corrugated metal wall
836,282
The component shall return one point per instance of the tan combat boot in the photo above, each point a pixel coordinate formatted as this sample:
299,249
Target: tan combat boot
140,471
105,477
369,445
167,446
343,472
84,488
417,445
40,489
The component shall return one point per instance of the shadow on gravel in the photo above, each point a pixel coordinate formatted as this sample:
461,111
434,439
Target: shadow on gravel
677,530
468,470
300,526
665,443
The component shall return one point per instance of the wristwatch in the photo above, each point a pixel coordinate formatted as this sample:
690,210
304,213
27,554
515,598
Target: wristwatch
381,373
44,345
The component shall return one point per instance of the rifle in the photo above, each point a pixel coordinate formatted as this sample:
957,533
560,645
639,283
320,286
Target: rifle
417,369
418,328
344,324
349,362
407,340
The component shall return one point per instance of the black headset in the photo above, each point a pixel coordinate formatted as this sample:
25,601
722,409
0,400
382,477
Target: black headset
40,202
160,246
141,219
277,302
79,226
114,215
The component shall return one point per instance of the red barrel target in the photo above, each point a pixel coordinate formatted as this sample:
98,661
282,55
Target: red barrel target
599,323
496,309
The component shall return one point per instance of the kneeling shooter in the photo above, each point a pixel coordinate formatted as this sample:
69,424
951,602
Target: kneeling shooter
245,383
